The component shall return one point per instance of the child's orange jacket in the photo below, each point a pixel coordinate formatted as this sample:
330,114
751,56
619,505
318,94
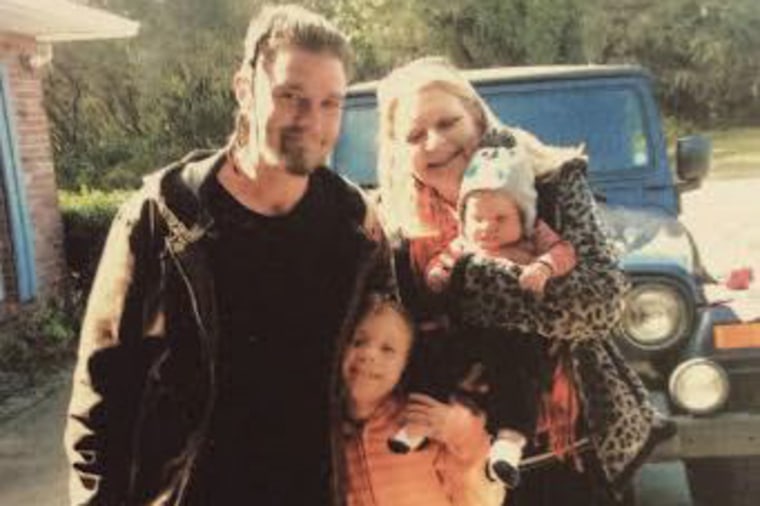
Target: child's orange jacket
449,472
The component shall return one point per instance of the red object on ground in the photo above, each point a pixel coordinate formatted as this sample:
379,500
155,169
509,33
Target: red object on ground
740,279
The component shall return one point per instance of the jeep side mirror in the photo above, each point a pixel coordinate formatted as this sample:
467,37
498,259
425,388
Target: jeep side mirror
693,154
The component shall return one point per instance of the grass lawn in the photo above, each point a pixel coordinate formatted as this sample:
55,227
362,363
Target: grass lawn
736,153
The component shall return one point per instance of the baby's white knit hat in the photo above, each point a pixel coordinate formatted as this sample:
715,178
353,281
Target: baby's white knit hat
503,169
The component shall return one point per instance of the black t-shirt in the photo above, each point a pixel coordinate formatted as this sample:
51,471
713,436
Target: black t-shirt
282,286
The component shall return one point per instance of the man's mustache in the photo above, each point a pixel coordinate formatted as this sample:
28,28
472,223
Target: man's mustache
293,132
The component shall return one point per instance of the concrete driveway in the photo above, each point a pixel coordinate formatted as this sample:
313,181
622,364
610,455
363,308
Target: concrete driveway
33,470
722,216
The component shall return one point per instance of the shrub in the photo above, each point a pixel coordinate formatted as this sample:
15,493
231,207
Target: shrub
38,340
87,215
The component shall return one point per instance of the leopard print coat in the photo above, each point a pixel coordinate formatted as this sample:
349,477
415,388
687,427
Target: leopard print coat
582,310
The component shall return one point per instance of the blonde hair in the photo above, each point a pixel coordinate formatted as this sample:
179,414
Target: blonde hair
399,204
395,177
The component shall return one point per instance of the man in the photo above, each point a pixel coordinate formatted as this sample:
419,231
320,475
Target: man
209,346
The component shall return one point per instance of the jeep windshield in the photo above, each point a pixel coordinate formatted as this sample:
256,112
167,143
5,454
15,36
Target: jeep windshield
607,115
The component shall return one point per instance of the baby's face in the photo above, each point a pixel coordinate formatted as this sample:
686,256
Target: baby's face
491,220
376,357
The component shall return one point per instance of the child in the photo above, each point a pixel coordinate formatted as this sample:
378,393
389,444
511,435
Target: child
448,471
497,212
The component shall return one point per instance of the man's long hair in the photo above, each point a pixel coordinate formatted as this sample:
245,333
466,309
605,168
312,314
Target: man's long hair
282,26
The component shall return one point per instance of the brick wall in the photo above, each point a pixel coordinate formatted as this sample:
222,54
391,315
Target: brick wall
36,158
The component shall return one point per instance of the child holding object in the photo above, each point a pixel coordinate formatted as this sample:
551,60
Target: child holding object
447,471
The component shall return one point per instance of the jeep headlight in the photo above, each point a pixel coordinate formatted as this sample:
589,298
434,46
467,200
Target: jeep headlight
699,386
656,315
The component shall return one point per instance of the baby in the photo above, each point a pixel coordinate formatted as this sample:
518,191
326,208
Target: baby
497,213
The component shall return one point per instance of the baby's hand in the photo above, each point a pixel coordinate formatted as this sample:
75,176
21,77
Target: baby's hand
437,280
509,266
534,277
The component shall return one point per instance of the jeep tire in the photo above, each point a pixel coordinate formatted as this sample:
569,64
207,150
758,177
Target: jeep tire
733,481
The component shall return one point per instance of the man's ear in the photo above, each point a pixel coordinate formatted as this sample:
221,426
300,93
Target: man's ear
242,85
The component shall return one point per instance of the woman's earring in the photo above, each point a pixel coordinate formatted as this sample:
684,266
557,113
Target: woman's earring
243,131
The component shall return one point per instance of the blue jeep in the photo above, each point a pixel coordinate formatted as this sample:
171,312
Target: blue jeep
697,358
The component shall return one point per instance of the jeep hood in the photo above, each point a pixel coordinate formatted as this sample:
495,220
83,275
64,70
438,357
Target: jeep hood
649,237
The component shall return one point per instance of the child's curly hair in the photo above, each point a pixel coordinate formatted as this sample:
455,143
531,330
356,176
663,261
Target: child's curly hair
376,302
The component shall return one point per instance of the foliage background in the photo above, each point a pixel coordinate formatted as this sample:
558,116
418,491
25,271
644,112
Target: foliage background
87,216
122,108
119,109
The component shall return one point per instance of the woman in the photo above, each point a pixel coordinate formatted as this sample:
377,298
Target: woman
432,122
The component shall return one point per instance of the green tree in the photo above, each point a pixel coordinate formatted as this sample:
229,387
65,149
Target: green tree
704,54
480,33
121,108
472,33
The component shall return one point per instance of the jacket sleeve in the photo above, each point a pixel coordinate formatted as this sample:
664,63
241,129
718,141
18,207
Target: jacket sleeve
111,365
586,303
554,251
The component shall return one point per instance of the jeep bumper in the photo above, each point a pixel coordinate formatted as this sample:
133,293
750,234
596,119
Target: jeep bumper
722,435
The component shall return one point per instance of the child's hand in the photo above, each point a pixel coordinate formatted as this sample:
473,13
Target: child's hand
455,425
534,277
423,411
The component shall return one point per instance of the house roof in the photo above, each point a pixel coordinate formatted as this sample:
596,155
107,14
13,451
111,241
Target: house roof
62,20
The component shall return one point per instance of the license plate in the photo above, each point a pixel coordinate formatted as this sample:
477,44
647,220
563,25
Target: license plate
745,335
